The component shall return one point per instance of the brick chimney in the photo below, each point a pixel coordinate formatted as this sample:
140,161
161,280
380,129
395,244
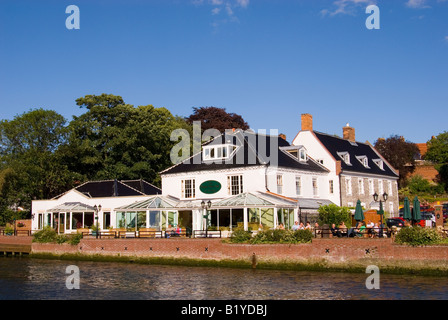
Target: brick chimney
307,122
348,133
282,135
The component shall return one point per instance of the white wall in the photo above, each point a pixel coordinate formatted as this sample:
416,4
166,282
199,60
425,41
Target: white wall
317,151
108,204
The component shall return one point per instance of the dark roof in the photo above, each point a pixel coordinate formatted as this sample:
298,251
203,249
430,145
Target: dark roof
253,150
115,188
143,186
337,145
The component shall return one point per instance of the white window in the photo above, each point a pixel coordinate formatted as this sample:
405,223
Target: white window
379,163
188,189
360,186
298,186
345,156
380,187
235,185
371,188
331,186
348,186
364,161
315,187
390,191
218,152
391,208
279,184
302,154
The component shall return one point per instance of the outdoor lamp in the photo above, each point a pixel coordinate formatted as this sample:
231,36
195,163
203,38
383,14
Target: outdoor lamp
209,204
385,196
375,197
203,204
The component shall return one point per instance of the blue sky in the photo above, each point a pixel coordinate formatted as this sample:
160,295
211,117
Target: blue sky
269,61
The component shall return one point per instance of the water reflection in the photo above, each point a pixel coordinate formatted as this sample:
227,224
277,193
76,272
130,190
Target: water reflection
25,278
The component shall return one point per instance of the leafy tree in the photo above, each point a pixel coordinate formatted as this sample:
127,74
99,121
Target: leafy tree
331,213
438,153
29,167
217,118
114,140
399,153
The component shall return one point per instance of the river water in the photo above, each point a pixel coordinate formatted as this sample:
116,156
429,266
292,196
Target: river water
30,279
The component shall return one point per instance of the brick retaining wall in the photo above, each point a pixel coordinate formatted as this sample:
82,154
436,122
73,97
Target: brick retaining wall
333,250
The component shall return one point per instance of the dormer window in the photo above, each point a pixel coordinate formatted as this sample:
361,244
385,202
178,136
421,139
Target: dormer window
218,152
345,156
364,161
302,155
379,163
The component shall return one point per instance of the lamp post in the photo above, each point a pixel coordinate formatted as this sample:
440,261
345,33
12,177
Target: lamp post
97,210
205,207
381,211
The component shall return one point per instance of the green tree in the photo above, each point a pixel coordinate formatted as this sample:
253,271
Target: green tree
331,213
438,153
29,167
114,140
399,153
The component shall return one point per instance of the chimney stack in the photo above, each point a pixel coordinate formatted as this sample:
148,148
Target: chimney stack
307,122
283,136
348,133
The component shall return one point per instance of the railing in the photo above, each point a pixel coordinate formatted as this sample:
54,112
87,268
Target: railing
375,232
207,234
16,232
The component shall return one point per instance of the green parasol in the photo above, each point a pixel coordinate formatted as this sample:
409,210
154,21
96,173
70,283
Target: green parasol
416,216
359,214
407,210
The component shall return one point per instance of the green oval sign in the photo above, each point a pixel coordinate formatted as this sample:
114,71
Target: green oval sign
210,187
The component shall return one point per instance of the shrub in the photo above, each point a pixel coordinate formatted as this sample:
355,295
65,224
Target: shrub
240,235
47,234
74,239
282,236
417,236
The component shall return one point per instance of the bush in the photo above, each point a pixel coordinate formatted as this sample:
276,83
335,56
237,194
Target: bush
417,236
282,236
240,235
47,234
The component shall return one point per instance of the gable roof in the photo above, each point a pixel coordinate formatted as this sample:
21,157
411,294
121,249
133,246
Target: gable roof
115,188
252,150
356,150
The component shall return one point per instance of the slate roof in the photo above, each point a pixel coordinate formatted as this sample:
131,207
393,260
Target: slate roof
115,188
337,145
253,150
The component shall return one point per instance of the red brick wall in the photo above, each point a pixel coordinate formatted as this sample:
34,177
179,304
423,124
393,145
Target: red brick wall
335,250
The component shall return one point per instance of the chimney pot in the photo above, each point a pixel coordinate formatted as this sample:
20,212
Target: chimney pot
348,133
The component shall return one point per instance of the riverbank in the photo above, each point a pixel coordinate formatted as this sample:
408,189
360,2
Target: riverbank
340,255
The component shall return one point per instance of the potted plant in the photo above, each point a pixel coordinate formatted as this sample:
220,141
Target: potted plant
95,229
9,230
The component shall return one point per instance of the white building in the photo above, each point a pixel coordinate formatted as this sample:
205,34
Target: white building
356,169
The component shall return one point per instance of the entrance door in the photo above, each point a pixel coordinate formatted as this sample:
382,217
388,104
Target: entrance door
185,220
61,227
